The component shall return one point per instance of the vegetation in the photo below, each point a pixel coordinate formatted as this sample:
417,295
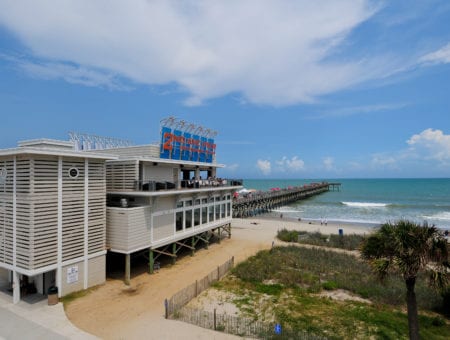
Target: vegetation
408,248
282,285
349,242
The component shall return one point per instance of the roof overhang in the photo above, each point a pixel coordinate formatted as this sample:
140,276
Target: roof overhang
187,164
54,152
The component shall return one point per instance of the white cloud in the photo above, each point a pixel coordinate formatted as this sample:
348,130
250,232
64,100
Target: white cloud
431,144
328,163
358,110
71,74
383,160
232,167
427,149
270,51
440,56
264,166
291,165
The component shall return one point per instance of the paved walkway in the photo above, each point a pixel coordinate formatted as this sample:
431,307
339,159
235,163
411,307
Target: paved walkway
34,319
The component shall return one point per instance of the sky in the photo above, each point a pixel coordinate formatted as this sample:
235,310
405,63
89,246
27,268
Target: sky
295,89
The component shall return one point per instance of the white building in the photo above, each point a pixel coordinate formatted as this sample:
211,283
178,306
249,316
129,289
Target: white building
52,217
62,209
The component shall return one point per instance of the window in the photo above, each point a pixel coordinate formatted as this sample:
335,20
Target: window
179,221
204,200
180,204
228,209
74,172
204,215
188,203
197,202
217,211
196,217
188,215
223,211
211,213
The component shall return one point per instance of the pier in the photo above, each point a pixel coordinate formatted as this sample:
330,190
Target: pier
261,202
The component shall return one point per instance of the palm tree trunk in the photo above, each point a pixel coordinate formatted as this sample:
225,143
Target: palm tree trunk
413,320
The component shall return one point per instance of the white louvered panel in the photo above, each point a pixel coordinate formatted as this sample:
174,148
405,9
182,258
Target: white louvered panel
121,176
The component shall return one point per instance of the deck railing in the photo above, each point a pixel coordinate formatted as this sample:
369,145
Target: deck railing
186,184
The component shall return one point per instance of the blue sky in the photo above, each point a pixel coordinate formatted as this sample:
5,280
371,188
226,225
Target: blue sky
296,89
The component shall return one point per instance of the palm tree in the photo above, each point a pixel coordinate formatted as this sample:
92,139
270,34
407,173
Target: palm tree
407,248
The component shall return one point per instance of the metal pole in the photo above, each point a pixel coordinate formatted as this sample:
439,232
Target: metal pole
127,269
151,261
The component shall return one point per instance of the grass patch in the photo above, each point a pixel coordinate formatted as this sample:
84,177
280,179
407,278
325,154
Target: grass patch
349,242
299,272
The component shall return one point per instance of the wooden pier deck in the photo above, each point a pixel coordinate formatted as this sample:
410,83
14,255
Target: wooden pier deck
262,202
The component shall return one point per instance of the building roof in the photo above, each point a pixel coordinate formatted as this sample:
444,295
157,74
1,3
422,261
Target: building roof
53,152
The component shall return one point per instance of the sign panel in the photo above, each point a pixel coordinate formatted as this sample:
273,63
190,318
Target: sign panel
72,274
186,147
176,144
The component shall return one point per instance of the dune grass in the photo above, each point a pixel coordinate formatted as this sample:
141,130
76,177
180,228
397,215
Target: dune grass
349,242
282,285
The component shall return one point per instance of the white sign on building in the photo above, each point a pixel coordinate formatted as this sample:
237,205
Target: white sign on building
72,274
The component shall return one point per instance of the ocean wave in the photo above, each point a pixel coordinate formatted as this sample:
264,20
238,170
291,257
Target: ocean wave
442,216
286,211
365,204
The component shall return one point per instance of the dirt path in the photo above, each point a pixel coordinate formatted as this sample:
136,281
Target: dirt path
116,311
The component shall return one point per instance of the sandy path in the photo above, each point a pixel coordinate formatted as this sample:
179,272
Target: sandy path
115,311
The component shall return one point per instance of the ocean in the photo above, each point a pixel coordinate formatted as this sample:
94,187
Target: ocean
369,201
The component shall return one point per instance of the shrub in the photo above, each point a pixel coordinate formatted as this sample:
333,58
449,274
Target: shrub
329,285
349,242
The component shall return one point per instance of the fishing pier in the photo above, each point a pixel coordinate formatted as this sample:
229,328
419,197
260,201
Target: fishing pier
261,202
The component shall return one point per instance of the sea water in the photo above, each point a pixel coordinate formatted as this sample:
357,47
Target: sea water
369,201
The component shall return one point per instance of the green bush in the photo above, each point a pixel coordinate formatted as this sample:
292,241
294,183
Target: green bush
349,242
329,285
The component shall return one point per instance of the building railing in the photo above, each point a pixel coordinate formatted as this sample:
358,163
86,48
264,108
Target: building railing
186,184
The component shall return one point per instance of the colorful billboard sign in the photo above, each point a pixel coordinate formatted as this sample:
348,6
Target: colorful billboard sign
185,146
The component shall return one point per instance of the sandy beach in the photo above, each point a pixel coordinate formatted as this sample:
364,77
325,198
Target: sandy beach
116,311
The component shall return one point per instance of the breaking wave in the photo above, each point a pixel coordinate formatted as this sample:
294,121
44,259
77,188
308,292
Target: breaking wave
365,204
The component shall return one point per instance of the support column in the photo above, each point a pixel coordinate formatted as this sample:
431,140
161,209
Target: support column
219,232
127,269
16,281
86,224
193,246
151,261
16,287
197,174
174,252
60,227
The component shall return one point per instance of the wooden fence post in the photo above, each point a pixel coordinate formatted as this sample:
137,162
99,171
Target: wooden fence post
166,305
196,288
215,320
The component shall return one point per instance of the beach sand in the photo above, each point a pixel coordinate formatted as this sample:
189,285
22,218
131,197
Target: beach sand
116,311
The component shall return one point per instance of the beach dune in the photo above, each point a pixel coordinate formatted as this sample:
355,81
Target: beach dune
116,311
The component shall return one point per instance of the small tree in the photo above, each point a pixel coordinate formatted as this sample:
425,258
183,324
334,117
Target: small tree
407,248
